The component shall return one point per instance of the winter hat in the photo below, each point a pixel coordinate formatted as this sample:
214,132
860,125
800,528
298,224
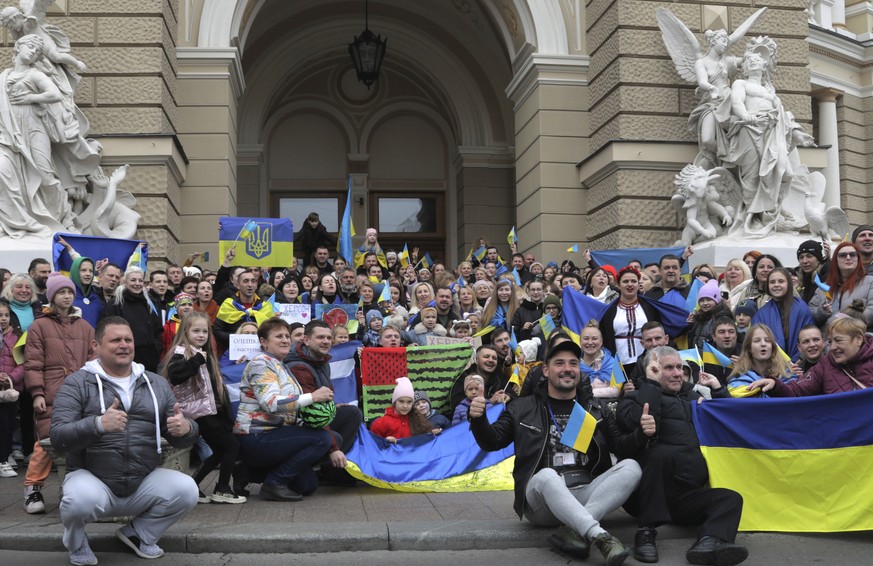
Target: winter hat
530,348
183,298
421,396
191,271
374,313
859,229
811,247
401,311
710,290
473,378
552,264
552,300
390,255
748,307
403,389
427,308
371,232
55,283
458,323
610,269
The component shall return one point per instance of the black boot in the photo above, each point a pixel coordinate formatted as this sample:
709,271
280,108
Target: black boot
709,550
645,549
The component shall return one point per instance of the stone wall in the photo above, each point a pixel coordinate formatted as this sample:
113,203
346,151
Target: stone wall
854,117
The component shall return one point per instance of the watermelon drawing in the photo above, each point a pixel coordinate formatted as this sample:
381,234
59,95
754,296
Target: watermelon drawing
335,317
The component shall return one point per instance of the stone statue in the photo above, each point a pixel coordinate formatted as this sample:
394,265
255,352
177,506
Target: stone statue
747,161
708,198
712,72
50,175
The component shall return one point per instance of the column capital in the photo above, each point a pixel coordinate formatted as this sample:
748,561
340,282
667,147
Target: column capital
826,94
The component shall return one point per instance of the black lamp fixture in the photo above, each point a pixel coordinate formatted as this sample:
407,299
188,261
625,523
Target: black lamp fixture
367,51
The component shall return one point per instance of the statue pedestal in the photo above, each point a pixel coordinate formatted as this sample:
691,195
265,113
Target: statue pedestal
721,250
16,254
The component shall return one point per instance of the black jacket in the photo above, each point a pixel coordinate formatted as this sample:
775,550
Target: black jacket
145,324
528,311
307,239
526,423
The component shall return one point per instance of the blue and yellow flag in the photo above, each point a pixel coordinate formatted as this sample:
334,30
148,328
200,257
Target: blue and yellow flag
265,242
347,229
512,237
617,377
692,355
644,255
574,249
693,292
516,276
815,453
479,254
547,323
711,355
119,252
579,430
578,310
385,295
403,256
427,261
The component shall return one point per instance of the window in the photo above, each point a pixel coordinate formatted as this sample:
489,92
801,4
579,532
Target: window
298,208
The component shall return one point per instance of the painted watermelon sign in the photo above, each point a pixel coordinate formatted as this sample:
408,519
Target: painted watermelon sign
335,315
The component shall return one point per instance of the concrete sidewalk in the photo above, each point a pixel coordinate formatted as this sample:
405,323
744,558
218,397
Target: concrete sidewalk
337,519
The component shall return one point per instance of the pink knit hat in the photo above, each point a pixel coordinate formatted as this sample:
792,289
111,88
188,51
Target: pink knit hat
55,282
403,389
371,231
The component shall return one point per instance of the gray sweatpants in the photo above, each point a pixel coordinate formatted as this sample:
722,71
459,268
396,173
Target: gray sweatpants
549,502
162,498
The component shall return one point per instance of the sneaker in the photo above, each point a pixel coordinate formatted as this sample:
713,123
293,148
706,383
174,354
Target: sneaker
203,498
83,556
18,455
33,501
611,548
713,550
645,549
128,536
7,471
223,494
12,462
569,542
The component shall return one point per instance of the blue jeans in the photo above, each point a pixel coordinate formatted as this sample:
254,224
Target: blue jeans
288,454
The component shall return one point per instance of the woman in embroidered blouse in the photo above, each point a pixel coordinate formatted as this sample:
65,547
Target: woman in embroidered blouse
275,442
622,323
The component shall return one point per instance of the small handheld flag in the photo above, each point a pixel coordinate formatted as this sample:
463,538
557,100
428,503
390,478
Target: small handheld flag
247,230
404,256
782,353
480,253
692,355
361,304
547,323
711,355
347,228
825,288
516,276
512,237
385,295
579,430
574,248
617,378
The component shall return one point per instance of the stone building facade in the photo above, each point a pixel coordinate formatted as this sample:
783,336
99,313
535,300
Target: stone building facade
564,118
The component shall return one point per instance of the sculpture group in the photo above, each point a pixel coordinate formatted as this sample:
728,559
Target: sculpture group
747,179
50,174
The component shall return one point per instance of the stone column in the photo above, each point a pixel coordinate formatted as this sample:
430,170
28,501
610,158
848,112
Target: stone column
550,98
485,197
828,135
210,83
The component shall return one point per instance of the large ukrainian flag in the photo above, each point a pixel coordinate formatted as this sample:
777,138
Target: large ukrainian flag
264,242
801,464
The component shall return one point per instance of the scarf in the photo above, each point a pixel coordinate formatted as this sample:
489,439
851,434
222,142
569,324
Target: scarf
232,311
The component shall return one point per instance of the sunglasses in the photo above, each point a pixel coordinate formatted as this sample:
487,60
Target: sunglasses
847,255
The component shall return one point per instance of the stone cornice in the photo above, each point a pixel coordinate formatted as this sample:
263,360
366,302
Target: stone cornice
212,63
535,70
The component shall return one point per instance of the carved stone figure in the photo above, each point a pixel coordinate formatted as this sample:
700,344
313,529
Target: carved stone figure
50,176
708,198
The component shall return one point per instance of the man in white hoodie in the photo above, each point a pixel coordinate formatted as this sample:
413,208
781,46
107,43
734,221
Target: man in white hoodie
109,418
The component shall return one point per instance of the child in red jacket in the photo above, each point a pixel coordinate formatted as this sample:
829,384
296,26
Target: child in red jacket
400,421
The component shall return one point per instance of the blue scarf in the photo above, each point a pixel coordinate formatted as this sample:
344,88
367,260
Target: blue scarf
800,316
24,312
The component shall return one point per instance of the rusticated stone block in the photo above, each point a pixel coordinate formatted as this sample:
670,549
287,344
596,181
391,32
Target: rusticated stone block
85,92
630,98
792,4
798,104
853,159
123,60
139,120
602,29
636,238
629,183
80,30
853,174
132,30
130,90
791,80
118,6
596,8
775,23
641,13
643,127
632,213
849,114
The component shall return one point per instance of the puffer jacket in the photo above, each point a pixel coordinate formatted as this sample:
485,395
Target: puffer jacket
526,422
827,376
56,347
7,362
121,460
145,322
391,424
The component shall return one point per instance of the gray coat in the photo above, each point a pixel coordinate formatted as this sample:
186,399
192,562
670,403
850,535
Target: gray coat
863,291
121,460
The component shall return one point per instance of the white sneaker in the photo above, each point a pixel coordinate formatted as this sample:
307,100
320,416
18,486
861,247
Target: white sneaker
6,470
12,462
33,501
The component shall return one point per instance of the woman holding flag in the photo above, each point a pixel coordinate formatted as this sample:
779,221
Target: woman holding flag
785,313
500,308
847,281
759,358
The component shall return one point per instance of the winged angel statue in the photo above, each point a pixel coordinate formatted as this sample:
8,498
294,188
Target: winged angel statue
50,176
747,140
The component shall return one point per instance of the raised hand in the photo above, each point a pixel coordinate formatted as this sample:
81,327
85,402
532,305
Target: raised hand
647,422
477,405
178,425
114,420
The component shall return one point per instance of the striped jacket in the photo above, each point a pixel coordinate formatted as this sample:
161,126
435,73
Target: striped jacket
268,397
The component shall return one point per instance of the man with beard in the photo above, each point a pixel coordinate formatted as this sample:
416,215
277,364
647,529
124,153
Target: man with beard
348,289
488,365
39,270
556,485
446,313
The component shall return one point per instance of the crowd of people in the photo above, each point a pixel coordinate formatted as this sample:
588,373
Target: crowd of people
114,359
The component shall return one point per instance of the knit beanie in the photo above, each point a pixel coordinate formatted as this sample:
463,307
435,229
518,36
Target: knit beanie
529,348
473,378
55,282
811,247
610,269
747,307
710,290
374,313
371,232
183,298
421,396
860,229
426,309
552,300
403,389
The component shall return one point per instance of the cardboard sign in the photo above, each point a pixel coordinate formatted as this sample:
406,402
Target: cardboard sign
293,312
241,345
474,341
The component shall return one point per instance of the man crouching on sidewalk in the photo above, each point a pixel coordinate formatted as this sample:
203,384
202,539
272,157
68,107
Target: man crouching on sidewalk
109,418
554,484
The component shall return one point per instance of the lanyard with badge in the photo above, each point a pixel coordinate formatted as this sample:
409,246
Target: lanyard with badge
562,459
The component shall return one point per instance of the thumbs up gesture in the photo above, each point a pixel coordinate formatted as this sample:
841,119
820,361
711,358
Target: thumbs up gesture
178,425
647,422
477,404
114,420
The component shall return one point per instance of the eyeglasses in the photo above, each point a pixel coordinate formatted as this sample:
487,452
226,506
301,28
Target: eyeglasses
847,255
551,308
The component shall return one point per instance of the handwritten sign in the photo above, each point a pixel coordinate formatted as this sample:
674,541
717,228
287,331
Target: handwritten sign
293,312
474,341
241,345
